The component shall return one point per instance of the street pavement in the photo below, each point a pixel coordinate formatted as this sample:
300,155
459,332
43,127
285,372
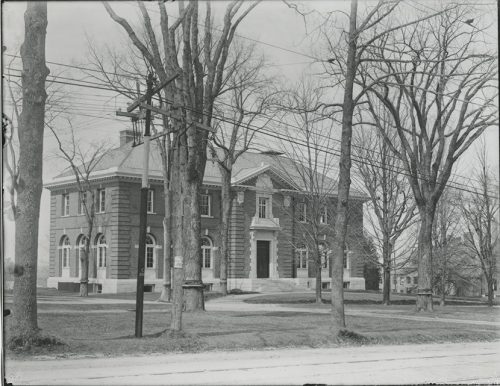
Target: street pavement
425,363
438,363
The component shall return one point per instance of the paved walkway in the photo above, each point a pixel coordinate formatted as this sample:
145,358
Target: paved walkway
237,303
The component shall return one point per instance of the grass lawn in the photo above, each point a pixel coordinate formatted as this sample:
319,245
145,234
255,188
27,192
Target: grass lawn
108,329
354,297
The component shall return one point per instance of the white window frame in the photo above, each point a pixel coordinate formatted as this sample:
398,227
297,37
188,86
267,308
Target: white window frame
209,205
151,198
80,246
302,212
82,200
303,254
65,248
323,218
65,205
101,200
101,251
325,260
263,202
150,247
204,250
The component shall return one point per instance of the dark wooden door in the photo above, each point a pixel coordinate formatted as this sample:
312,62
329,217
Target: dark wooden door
263,259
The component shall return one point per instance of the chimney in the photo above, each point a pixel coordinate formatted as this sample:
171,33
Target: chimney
126,136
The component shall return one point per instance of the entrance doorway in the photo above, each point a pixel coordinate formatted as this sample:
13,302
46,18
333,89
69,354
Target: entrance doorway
263,248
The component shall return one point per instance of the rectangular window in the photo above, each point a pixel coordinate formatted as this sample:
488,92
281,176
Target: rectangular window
263,204
101,200
302,212
65,204
205,205
408,280
150,257
415,280
83,201
207,258
302,255
151,195
323,218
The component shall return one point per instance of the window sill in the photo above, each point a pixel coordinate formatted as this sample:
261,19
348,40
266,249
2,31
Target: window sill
65,215
206,216
151,212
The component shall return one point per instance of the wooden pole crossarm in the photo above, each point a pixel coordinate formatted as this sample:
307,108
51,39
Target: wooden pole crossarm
120,113
170,115
137,102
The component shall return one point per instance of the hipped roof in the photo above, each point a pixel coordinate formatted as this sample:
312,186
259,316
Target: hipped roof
127,161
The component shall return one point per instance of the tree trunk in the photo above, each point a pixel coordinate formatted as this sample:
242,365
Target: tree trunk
179,238
490,291
386,257
85,258
319,300
166,292
225,219
338,317
424,291
166,148
193,287
442,301
30,134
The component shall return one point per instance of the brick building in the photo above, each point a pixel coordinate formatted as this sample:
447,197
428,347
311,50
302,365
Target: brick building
267,247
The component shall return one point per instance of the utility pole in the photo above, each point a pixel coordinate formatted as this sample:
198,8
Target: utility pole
144,102
143,217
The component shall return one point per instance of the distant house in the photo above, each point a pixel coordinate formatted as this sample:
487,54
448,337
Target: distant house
464,275
267,250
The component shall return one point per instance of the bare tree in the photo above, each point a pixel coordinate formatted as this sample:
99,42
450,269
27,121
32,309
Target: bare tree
311,168
481,216
29,180
247,106
201,61
446,245
391,202
82,163
438,82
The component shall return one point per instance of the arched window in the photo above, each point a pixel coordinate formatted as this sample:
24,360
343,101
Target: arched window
150,251
81,242
302,256
206,252
80,246
64,249
101,248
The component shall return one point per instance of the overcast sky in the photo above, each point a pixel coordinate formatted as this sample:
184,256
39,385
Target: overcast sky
72,24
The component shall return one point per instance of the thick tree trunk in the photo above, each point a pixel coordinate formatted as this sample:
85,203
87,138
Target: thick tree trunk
179,238
424,291
166,291
225,218
386,257
338,317
166,148
193,287
490,291
30,134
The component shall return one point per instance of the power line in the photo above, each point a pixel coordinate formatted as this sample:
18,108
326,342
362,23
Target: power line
401,170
